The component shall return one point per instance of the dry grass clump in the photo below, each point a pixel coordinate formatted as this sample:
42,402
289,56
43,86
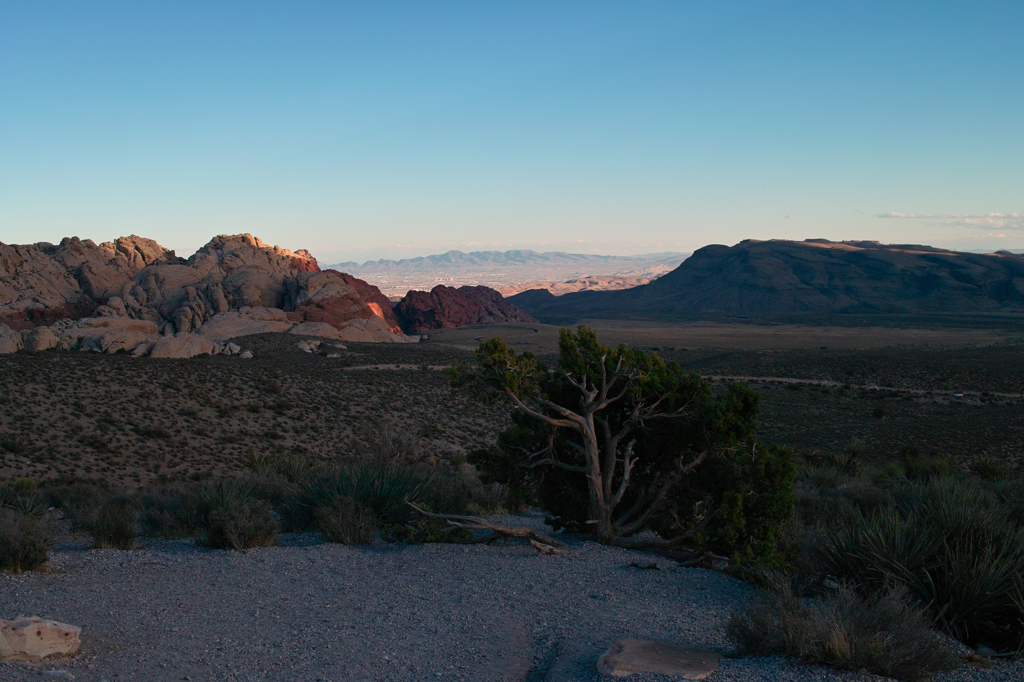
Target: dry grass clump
885,634
115,525
24,544
346,521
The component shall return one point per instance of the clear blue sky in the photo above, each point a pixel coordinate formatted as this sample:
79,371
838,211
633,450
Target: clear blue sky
402,128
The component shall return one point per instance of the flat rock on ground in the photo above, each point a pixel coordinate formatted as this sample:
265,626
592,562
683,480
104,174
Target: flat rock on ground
308,610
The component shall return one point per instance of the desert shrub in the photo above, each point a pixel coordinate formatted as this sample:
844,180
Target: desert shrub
79,502
293,468
346,521
233,518
752,488
24,544
885,635
379,486
240,526
990,470
955,546
173,510
115,525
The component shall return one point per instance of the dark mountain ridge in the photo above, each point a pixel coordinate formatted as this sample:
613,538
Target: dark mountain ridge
782,278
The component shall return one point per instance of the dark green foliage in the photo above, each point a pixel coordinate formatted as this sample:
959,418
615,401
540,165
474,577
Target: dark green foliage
954,544
753,490
24,544
602,407
115,525
885,635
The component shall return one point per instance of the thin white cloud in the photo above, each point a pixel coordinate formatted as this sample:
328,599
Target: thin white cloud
983,221
791,217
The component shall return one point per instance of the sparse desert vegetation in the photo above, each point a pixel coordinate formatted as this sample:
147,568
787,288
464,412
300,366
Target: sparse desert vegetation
863,536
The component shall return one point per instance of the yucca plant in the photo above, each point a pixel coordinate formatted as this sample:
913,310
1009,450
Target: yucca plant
381,487
955,546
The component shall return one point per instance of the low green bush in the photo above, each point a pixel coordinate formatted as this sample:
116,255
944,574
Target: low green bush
24,543
885,635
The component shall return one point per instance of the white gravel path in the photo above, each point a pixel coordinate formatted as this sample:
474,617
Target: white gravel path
309,611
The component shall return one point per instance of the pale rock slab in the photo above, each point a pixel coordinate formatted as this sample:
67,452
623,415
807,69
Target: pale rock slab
629,656
183,345
224,326
246,355
321,329
33,639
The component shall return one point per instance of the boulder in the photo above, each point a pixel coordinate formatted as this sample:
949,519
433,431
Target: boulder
629,656
114,341
321,329
232,349
33,639
183,345
10,340
224,326
41,338
246,355
91,333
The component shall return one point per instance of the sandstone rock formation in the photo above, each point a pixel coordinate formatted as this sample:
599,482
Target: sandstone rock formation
33,639
41,283
133,295
779,277
444,307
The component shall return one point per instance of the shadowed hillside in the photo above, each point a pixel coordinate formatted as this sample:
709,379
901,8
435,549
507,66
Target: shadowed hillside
777,278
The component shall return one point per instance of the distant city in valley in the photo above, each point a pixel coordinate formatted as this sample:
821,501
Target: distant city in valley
512,271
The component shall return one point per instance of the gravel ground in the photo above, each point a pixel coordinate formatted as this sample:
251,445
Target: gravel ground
307,610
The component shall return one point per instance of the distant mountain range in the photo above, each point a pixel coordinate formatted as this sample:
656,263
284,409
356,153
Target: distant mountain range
500,269
781,277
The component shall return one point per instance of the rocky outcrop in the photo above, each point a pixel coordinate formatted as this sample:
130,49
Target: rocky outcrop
41,283
444,307
336,298
233,286
33,639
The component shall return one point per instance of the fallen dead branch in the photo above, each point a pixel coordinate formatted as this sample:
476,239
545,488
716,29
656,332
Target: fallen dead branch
542,543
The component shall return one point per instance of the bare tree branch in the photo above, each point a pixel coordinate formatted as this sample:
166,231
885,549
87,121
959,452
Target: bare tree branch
545,544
